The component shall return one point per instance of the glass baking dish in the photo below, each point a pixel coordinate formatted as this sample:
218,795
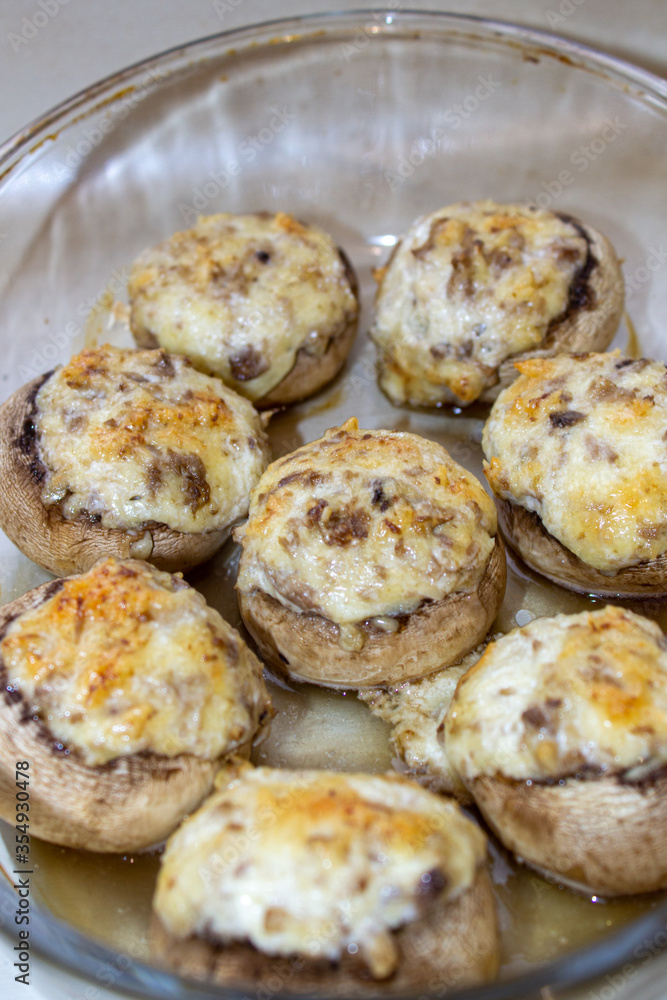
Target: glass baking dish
357,122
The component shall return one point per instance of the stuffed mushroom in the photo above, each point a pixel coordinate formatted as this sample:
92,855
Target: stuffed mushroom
124,692
416,712
126,453
475,286
267,303
369,557
560,734
344,883
575,452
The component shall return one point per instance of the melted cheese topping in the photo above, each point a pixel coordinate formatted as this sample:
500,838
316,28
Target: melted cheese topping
314,863
365,523
241,294
125,659
575,694
581,441
466,288
130,437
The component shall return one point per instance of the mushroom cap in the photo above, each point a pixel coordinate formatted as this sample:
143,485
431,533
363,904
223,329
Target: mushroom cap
128,804
525,534
603,835
454,943
306,647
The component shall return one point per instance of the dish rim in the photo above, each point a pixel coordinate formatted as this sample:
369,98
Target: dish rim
551,42
87,955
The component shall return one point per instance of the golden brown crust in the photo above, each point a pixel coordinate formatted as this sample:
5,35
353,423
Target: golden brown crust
589,326
453,944
524,532
604,835
311,372
126,805
61,546
306,646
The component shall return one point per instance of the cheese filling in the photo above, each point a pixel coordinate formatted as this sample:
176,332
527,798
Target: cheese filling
362,524
578,694
315,863
466,288
241,294
126,659
581,442
132,437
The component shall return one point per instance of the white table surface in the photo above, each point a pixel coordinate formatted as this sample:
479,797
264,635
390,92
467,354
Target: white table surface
53,48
